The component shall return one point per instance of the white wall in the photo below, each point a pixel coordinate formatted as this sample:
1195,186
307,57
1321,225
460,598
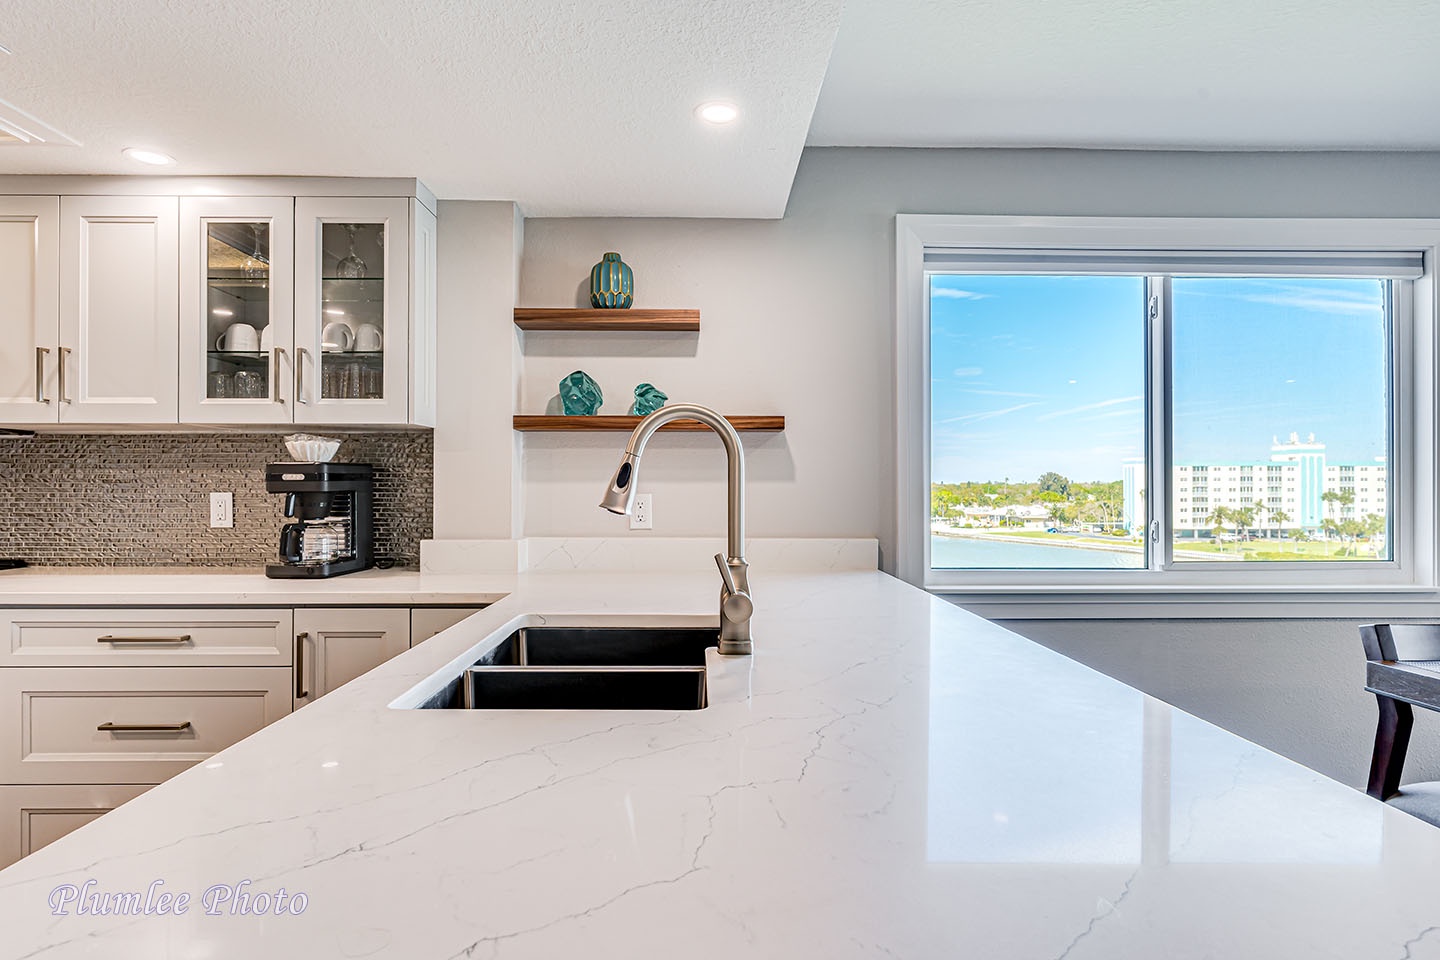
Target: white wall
477,458
797,319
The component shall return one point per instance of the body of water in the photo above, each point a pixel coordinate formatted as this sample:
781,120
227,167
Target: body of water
963,552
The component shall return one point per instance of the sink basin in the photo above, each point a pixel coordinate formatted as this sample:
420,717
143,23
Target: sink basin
586,668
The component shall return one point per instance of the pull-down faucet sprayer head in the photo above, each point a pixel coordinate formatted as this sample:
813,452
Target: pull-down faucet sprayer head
620,495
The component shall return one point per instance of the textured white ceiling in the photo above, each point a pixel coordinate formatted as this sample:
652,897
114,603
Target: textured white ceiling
1206,74
571,108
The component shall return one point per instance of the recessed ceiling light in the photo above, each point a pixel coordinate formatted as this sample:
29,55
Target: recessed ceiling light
148,156
717,112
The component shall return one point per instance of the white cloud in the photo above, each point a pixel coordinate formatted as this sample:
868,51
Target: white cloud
1318,303
1090,406
953,294
987,414
1002,393
969,371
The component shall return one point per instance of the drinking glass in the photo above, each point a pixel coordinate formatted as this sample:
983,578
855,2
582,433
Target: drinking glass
249,384
350,267
217,385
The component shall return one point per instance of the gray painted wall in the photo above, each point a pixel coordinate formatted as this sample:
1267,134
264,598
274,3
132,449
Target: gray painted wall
1295,686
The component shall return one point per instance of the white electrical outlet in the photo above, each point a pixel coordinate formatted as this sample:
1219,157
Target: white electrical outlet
222,509
642,514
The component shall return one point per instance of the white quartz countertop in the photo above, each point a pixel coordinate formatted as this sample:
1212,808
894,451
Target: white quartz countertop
888,776
201,586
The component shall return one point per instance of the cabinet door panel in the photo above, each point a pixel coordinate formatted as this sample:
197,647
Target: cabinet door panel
119,328
29,308
352,291
237,269
32,817
334,647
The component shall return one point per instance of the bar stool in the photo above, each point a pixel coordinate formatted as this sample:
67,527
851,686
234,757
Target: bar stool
1396,643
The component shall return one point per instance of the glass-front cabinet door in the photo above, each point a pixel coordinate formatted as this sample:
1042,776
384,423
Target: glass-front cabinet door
237,312
352,294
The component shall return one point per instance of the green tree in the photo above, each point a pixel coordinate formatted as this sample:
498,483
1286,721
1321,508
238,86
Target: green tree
1279,518
1334,499
1052,482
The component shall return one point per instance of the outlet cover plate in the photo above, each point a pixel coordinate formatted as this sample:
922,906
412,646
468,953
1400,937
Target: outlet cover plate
642,514
222,509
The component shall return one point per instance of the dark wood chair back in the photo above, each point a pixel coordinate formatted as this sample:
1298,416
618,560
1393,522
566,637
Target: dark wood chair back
1401,641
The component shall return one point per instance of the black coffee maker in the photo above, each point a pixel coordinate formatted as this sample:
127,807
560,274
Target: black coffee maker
333,508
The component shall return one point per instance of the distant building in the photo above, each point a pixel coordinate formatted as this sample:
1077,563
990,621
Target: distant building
1292,482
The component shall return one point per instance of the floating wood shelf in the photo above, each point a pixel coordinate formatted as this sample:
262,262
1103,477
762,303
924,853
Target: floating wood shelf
626,424
570,318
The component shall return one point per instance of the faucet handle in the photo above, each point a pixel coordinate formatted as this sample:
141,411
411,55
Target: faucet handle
726,574
737,605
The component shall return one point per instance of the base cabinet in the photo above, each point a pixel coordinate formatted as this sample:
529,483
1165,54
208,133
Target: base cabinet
333,647
425,622
32,817
98,705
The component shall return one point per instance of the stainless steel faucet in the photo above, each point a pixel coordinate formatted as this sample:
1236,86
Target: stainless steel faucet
735,604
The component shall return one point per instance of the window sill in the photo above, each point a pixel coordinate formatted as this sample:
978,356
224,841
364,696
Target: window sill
1142,602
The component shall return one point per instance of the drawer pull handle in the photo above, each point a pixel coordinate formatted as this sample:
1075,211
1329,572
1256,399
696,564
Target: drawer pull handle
183,638
144,727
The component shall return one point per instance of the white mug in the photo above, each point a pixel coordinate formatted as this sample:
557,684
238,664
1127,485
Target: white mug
367,338
336,337
267,338
239,338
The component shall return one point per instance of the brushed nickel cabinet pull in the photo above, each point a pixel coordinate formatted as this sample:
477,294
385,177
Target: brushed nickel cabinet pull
40,354
144,727
183,638
300,692
279,353
300,375
64,355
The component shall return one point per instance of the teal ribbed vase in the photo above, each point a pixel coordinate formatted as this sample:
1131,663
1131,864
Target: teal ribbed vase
612,284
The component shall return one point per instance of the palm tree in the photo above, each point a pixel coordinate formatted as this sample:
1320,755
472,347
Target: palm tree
1279,518
1258,510
1218,518
1331,497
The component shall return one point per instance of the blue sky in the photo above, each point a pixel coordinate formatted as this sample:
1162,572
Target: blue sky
1047,373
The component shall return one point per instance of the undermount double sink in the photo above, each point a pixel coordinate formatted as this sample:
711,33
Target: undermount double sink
586,668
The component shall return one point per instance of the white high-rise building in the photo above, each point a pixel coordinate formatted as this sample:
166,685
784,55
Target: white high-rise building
1287,491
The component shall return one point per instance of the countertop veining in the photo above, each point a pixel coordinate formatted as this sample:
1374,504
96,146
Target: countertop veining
888,776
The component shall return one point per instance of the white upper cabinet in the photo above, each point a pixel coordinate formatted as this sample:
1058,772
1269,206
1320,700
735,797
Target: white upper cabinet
237,309
216,309
29,308
119,326
352,306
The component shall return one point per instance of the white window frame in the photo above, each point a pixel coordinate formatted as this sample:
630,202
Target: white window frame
1412,468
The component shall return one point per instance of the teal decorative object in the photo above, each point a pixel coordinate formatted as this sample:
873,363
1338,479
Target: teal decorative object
580,396
648,399
612,283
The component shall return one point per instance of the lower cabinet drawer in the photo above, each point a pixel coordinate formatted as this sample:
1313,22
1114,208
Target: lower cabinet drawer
128,724
33,816
85,637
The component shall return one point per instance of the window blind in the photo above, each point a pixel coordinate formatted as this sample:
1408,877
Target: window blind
1359,264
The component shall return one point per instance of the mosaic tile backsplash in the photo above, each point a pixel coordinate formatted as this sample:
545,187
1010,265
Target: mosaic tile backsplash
101,500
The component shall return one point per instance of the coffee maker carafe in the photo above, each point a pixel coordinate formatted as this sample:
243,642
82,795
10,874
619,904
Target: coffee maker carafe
332,506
